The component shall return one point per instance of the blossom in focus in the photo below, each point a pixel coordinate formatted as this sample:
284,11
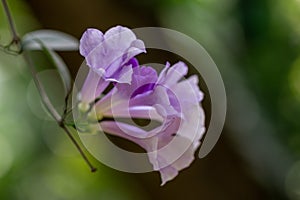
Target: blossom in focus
110,57
167,98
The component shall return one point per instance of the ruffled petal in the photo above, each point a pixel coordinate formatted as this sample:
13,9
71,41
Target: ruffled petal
167,174
158,98
143,80
188,88
118,47
123,95
89,40
171,171
171,75
110,57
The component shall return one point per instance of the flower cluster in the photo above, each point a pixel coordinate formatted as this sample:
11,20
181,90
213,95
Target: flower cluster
138,92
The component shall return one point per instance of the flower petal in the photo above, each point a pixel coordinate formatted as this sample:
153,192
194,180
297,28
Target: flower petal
142,112
171,171
171,75
125,131
113,52
90,39
188,88
124,75
92,87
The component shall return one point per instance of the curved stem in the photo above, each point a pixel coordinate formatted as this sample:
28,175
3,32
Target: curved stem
93,169
45,99
13,30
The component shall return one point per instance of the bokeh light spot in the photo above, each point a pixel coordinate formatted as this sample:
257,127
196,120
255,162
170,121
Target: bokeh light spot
294,78
293,182
6,156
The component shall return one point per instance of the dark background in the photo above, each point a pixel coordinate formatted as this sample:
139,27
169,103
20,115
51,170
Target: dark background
256,46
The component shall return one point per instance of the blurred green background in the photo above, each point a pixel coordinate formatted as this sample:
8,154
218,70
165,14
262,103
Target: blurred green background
255,44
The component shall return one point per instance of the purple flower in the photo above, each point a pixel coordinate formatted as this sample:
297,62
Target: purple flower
174,103
110,57
168,99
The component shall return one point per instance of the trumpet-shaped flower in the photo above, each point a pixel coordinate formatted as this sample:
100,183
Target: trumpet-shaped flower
167,98
110,57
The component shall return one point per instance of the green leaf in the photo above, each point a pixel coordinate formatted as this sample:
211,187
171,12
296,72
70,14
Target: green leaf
51,39
62,68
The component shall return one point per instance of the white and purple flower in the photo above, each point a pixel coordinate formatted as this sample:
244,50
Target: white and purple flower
139,92
109,56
